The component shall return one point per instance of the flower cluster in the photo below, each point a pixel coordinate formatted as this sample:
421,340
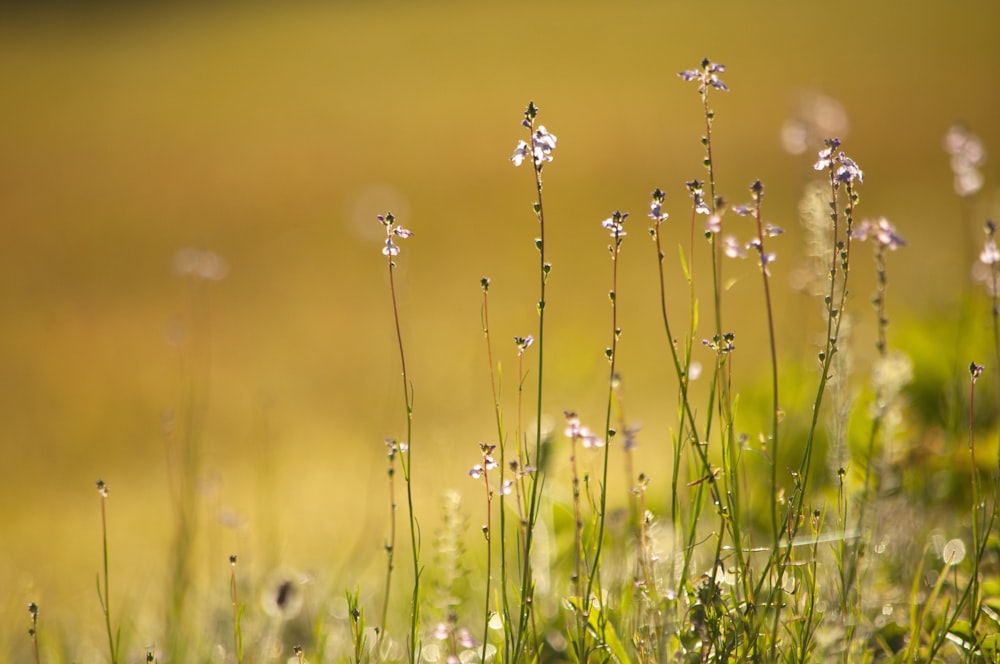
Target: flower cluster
967,155
616,224
990,255
488,462
696,189
522,344
392,230
540,150
575,431
656,212
707,76
843,167
881,230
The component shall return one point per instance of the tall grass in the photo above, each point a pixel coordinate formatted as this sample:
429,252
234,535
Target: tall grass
747,552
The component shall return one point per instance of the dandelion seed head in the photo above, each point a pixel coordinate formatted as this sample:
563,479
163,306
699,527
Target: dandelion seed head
953,552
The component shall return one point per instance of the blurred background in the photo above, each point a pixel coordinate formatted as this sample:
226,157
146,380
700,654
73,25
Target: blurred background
188,199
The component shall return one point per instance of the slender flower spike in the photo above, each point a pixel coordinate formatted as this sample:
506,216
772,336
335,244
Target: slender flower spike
696,189
848,171
540,150
883,232
714,224
392,231
707,76
826,154
523,343
615,224
990,254
975,370
656,212
732,248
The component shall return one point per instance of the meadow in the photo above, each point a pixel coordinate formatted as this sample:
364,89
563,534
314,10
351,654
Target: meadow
766,444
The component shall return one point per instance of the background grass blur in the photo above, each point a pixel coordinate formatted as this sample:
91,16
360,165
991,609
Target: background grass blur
274,135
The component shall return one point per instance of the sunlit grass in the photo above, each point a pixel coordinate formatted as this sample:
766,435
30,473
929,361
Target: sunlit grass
91,373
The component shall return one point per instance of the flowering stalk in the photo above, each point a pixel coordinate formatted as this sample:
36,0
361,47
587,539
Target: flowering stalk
579,434
539,150
615,225
482,471
114,642
498,413
390,545
393,231
842,171
683,370
765,259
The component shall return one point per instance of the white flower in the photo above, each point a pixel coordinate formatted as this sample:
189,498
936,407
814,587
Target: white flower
521,152
732,248
990,254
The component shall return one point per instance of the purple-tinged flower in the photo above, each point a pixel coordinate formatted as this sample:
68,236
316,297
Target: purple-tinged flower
743,210
392,231
714,224
575,431
990,255
477,472
772,231
507,487
656,212
707,76
616,224
883,232
732,248
523,343
967,155
540,150
826,154
521,152
631,440
975,370
848,171
697,193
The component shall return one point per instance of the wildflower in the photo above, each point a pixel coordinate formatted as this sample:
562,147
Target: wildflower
631,434
575,431
707,76
990,254
826,154
102,488
540,150
814,116
615,224
884,233
392,230
975,370
656,212
967,155
772,231
696,189
714,224
523,343
489,463
848,171
732,248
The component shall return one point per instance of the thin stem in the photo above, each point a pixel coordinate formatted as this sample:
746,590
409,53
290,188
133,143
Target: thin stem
406,462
